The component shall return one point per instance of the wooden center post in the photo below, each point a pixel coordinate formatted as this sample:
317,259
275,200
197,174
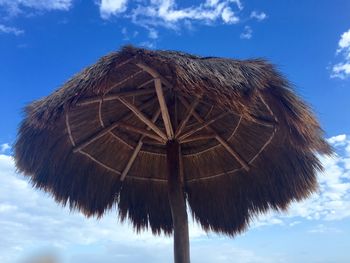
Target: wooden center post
177,203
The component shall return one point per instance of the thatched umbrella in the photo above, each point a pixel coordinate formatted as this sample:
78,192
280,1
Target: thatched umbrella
149,131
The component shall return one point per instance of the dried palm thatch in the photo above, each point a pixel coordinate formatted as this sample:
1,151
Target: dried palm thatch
248,143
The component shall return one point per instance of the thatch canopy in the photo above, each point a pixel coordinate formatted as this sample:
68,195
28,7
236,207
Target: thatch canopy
248,143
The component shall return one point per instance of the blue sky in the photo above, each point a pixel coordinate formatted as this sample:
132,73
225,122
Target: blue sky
43,43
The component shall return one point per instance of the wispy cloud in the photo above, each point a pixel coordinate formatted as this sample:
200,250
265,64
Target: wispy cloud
321,229
110,8
260,16
341,70
332,201
247,33
166,13
10,30
31,221
30,218
4,147
15,7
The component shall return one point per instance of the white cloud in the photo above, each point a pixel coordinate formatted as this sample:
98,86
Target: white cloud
338,140
10,30
128,35
109,8
259,16
228,16
247,33
153,34
29,218
344,41
5,146
15,7
168,14
147,44
321,228
31,222
332,201
342,69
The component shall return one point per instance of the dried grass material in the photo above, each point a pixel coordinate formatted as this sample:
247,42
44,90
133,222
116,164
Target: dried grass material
146,205
247,195
270,127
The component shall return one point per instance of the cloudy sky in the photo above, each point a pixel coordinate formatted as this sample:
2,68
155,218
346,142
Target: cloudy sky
43,43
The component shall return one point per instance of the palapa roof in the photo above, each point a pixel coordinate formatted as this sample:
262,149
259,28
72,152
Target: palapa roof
248,142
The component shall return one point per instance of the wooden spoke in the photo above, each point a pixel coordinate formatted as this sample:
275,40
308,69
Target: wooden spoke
140,131
143,118
154,74
164,108
116,96
217,136
144,84
202,126
124,63
109,128
264,122
152,141
198,138
95,137
175,116
252,118
184,121
99,162
125,80
137,150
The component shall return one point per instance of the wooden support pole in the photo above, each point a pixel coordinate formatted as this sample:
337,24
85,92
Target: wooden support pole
177,204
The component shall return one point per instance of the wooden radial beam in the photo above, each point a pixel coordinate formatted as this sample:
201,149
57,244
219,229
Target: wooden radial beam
158,80
137,149
109,128
224,143
141,131
184,121
129,93
201,126
198,138
154,74
164,108
143,118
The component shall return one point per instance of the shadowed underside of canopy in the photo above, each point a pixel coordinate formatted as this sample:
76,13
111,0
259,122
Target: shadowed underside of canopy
247,142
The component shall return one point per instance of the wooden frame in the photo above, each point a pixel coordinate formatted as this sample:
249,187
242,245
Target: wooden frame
137,149
164,108
184,121
224,143
202,126
143,118
104,131
130,93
